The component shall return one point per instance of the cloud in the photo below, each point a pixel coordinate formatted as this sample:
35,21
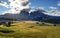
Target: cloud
51,7
32,10
25,3
54,13
41,8
15,6
3,4
58,4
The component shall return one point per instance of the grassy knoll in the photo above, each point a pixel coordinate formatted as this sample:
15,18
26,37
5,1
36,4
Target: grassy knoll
29,30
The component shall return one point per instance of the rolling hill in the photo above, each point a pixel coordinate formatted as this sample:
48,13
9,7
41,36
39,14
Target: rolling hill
29,29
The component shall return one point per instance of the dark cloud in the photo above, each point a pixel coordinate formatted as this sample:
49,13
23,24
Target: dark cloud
1,2
25,3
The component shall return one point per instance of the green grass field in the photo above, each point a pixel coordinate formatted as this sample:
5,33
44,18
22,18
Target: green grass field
29,30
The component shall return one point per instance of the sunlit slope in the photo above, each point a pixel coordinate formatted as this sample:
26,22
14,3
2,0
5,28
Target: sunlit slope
29,29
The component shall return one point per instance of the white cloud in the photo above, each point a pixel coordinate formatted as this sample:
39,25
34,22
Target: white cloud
15,6
58,4
32,10
51,7
41,8
54,13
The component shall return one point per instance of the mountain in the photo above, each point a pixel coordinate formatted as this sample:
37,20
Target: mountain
36,15
40,16
21,16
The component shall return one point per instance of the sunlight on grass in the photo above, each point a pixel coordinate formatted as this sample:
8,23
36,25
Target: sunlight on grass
29,30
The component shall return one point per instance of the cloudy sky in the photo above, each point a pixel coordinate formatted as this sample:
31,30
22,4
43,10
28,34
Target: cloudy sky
47,4
14,6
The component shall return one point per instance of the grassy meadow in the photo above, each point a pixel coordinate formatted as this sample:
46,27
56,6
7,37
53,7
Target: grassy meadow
29,29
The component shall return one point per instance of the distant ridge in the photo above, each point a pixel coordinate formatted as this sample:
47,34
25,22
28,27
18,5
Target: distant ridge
36,15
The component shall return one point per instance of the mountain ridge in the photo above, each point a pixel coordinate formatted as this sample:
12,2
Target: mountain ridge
37,15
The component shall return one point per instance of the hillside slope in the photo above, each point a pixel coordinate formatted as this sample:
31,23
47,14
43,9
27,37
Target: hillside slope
29,29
